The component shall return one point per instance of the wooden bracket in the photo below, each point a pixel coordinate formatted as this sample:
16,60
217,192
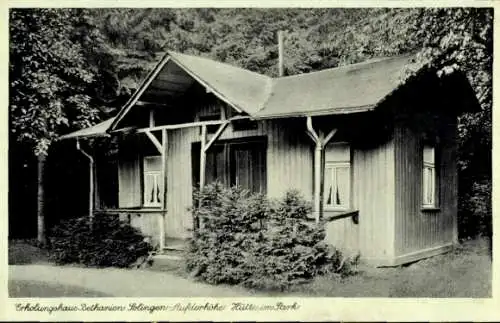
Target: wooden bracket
329,137
155,141
320,140
215,136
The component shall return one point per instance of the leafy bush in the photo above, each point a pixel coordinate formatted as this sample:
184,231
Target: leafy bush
475,215
106,242
246,239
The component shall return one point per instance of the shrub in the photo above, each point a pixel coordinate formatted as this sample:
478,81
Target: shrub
107,242
246,239
475,215
230,219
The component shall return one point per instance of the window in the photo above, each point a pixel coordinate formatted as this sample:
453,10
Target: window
236,162
429,177
337,177
153,181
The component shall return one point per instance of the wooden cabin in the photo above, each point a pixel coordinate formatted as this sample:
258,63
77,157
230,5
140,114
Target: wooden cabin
375,155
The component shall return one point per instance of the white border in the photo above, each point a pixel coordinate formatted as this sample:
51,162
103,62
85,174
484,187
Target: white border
332,309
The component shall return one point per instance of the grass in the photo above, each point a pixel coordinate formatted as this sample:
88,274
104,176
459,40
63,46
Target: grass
21,288
464,272
24,252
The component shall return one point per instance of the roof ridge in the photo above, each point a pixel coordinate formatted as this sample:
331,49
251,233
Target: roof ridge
269,92
170,52
346,66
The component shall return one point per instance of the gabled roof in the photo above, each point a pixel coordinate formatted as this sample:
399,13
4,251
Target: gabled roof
346,89
241,88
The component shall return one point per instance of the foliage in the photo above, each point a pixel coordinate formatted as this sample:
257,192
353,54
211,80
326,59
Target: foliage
48,76
248,240
475,215
71,67
446,39
104,242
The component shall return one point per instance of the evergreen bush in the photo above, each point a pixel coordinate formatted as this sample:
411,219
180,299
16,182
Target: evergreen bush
105,242
246,239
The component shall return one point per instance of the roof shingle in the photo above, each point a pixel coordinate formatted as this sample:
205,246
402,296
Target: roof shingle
346,89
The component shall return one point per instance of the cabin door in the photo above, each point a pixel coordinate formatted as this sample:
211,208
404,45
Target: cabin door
234,163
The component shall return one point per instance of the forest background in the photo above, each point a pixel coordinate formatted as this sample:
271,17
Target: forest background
71,68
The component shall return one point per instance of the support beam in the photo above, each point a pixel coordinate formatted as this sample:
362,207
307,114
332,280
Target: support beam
223,112
161,218
151,118
155,141
329,137
311,132
147,103
203,161
319,154
317,181
182,125
216,135
203,155
91,180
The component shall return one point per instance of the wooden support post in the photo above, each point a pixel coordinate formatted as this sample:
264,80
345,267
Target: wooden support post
203,161
319,160
203,156
91,181
317,181
161,219
151,118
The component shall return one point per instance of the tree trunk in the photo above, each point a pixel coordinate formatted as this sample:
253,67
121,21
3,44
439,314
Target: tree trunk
42,238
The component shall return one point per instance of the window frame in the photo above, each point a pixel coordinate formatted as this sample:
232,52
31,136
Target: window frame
227,149
432,167
157,180
329,167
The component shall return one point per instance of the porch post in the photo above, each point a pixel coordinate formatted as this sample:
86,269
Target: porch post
161,218
203,155
319,154
203,160
317,181
91,180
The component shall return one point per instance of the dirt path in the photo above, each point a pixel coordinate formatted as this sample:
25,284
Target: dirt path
120,282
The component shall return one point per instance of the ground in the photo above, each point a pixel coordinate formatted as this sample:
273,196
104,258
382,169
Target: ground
464,272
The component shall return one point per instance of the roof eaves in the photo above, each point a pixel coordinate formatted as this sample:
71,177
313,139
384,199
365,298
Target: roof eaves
323,112
98,130
133,99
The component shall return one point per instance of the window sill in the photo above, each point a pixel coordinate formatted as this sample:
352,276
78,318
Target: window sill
330,215
131,210
338,210
430,209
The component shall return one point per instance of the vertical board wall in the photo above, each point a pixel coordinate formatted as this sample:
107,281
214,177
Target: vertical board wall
418,230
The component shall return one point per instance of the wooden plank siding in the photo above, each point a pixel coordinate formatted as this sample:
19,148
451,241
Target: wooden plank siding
373,196
417,230
289,165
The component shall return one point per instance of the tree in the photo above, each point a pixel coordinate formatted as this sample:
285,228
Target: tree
66,65
50,84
